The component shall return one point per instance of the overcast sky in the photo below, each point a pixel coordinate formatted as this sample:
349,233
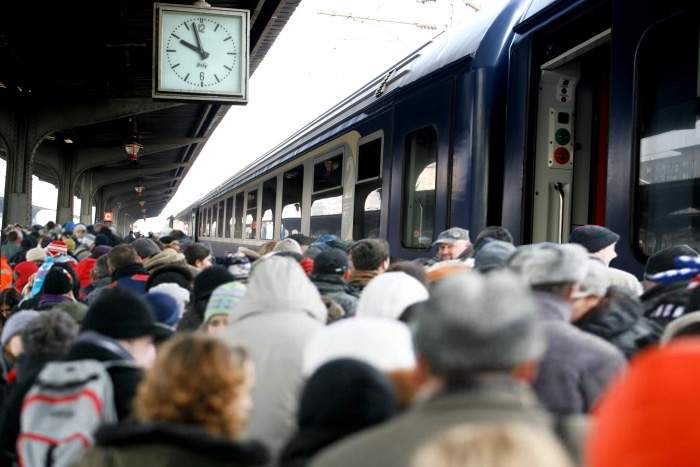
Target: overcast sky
317,60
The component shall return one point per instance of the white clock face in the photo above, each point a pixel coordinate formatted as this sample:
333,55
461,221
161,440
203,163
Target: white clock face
201,53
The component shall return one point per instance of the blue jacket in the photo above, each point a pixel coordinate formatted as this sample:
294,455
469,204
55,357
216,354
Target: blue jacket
132,277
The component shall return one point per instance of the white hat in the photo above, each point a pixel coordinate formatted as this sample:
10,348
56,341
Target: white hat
549,263
383,343
389,294
180,294
596,281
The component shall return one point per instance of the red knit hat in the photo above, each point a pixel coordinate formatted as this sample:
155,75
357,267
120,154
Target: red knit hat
57,248
651,416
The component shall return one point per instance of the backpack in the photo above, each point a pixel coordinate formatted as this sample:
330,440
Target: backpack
62,410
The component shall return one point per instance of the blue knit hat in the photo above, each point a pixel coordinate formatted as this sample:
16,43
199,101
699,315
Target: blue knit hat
164,307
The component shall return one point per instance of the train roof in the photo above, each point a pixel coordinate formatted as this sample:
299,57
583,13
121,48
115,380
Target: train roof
445,49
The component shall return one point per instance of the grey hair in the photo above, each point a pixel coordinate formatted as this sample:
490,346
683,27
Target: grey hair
50,335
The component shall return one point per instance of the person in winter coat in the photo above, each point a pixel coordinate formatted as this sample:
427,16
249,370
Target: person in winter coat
478,342
390,294
100,278
58,288
274,320
48,337
126,269
342,397
330,272
577,366
600,243
222,303
191,410
11,340
665,301
369,258
204,285
119,327
618,318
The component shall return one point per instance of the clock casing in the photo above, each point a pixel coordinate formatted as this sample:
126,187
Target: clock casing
200,53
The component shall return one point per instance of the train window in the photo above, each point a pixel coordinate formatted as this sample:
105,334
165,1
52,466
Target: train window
328,173
419,188
251,215
327,197
238,223
668,186
292,189
269,198
229,217
208,232
369,160
368,198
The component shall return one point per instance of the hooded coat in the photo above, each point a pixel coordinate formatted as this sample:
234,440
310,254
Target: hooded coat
618,319
577,366
278,315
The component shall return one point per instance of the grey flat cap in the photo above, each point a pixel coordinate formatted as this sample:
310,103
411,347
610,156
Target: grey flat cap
550,263
452,235
476,323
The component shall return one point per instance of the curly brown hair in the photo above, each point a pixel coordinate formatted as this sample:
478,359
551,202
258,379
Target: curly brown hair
197,380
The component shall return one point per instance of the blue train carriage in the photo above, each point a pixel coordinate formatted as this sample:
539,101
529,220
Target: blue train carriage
538,115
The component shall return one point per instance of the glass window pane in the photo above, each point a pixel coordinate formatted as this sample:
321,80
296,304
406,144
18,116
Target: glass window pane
229,217
419,188
369,160
368,203
328,173
251,215
214,223
326,211
238,230
292,189
668,189
267,229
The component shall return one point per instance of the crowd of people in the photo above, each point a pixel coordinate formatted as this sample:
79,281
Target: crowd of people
323,352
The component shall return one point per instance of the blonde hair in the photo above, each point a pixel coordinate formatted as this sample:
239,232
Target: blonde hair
492,445
196,380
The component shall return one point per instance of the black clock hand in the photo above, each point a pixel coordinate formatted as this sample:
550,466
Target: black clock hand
202,53
190,46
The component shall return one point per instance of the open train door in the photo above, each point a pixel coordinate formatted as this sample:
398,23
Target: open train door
556,151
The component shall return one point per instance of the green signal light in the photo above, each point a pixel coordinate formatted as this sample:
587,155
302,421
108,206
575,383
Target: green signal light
562,136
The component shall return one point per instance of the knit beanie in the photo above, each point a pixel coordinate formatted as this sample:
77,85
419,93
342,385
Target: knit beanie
663,260
120,313
163,258
593,237
331,261
165,308
70,245
649,417
224,299
100,250
208,280
15,324
49,335
56,248
102,239
58,281
145,247
179,294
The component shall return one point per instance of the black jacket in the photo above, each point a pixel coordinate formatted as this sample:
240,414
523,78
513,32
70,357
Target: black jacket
666,302
168,444
125,379
619,319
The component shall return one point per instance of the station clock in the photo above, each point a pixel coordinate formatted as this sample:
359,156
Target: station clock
200,53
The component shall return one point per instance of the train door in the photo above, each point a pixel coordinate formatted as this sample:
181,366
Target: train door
570,138
420,169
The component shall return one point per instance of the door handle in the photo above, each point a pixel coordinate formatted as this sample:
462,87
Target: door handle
559,188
